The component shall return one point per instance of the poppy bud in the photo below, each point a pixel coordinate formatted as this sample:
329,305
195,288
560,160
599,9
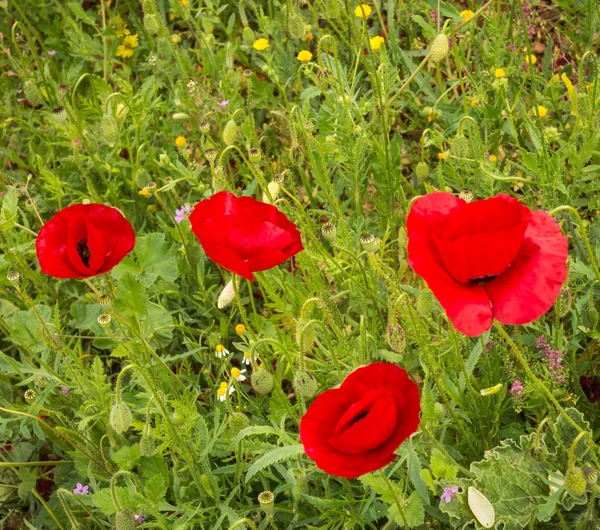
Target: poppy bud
238,421
206,484
229,132
267,501
370,243
329,231
120,417
218,180
422,171
262,382
124,520
300,488
460,147
575,481
308,126
204,127
564,302
274,189
583,105
151,23
439,48
109,129
227,295
324,79
332,9
425,304
178,419
306,333
305,385
591,475
396,337
248,35
439,410
33,94
60,114
593,317
295,26
255,155
180,116
147,445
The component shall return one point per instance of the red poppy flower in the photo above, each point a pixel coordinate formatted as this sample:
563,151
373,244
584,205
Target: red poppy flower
244,235
354,429
487,259
84,240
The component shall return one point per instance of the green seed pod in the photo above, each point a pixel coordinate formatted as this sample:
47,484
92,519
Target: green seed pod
575,481
124,520
267,501
460,147
109,129
262,382
329,231
425,304
151,23
564,303
308,335
60,114
120,417
147,445
591,475
439,48
204,127
33,94
237,421
370,243
295,26
439,410
396,337
230,132
305,384
248,35
422,171
255,155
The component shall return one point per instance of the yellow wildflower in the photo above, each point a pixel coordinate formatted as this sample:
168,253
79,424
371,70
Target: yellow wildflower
309,36
144,192
376,42
304,56
260,44
466,14
540,111
125,49
363,11
499,73
122,29
176,38
240,328
530,59
173,16
184,3
492,159
180,141
442,155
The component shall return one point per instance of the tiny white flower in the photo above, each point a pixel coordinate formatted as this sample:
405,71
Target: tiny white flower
238,374
221,351
246,360
224,390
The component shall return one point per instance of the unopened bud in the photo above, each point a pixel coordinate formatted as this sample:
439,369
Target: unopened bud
575,481
227,295
120,417
262,381
238,421
60,114
229,133
370,243
124,520
439,48
305,385
255,155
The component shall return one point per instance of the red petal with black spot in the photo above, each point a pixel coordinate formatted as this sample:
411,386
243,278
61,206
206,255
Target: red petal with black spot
356,428
84,240
493,258
244,235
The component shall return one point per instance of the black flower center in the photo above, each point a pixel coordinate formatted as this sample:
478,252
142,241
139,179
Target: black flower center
358,417
483,279
84,252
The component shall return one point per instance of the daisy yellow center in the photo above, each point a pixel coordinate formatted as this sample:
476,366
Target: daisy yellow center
235,372
180,141
246,355
499,73
222,391
220,348
223,385
240,328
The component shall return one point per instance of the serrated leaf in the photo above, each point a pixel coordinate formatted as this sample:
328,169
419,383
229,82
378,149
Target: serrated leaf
131,295
8,213
155,489
272,457
126,457
157,256
254,430
441,467
28,481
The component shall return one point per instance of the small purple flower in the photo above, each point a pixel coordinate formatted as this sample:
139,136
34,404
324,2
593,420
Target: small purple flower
223,103
449,494
138,519
435,16
180,214
51,52
81,489
531,31
64,390
517,389
489,345
512,47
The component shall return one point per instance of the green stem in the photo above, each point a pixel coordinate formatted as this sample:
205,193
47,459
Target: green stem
397,502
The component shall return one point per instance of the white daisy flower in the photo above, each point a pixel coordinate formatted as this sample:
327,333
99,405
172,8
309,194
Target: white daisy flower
238,374
246,360
221,351
224,390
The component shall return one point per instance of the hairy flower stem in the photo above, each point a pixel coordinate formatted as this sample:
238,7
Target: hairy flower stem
544,389
583,231
397,501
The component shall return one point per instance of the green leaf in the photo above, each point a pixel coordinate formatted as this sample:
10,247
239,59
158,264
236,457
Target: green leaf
566,434
28,481
155,489
157,256
8,213
103,500
272,457
131,295
78,11
441,467
126,457
26,329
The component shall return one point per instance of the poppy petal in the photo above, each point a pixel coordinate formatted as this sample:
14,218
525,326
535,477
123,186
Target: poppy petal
467,306
530,286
